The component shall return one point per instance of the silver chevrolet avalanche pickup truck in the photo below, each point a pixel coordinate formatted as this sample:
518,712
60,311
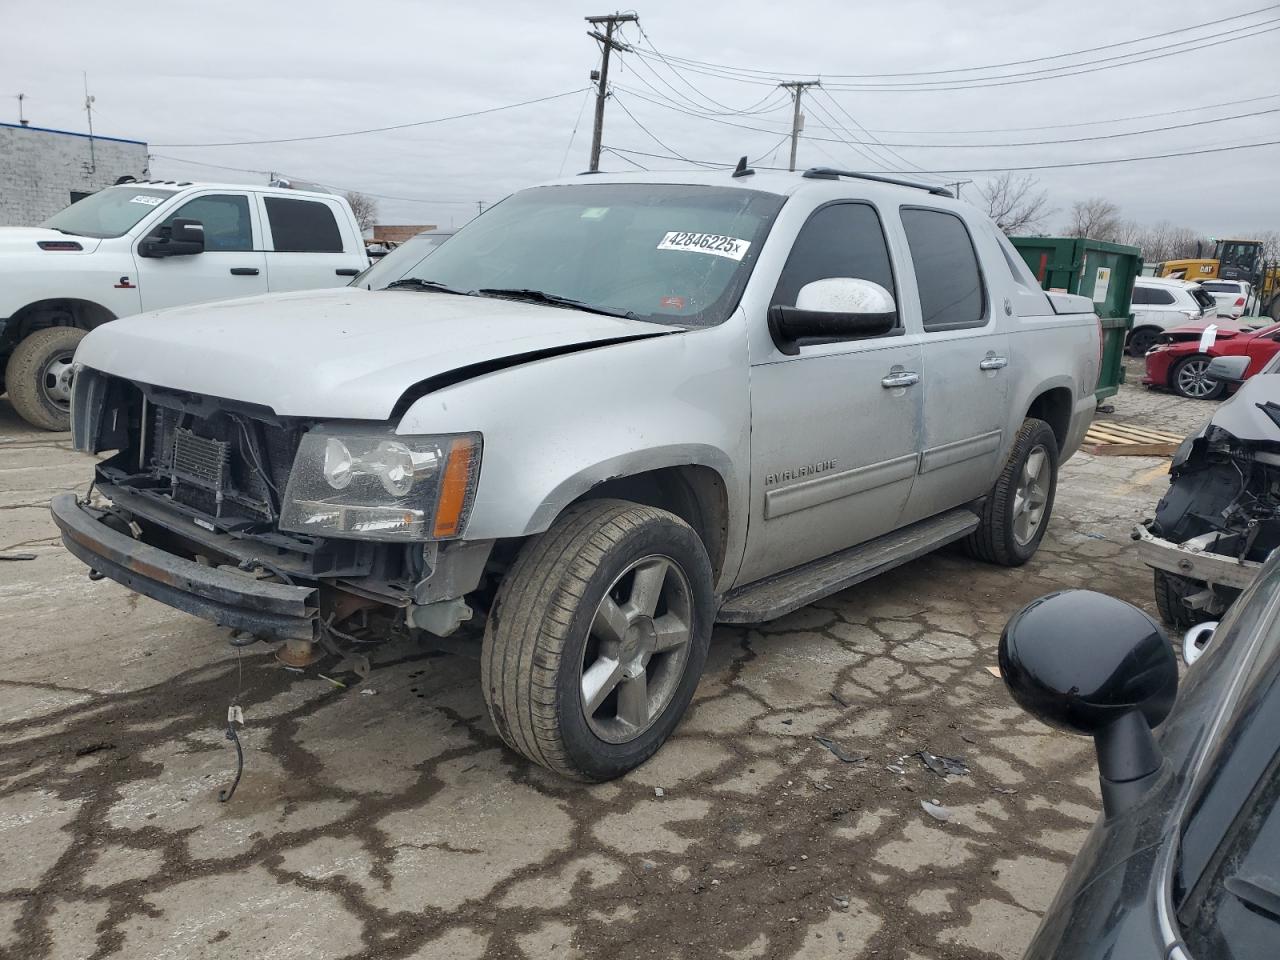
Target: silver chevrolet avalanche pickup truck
608,413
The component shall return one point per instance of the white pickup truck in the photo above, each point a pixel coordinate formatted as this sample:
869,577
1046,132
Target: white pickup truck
146,245
606,413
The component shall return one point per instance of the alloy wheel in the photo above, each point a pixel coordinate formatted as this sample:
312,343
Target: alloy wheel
1192,380
1031,495
637,649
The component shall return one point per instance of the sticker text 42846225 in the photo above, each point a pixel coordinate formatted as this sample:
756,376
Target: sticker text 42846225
712,243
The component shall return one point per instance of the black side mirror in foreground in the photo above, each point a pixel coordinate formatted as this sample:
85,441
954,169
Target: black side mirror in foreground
1091,664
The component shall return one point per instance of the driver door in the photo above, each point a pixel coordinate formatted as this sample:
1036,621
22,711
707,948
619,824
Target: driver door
835,428
232,265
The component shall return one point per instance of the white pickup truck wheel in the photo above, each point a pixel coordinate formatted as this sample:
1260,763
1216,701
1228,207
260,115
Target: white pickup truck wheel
597,639
38,377
1016,513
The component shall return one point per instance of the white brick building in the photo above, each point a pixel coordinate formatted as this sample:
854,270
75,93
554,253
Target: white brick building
41,171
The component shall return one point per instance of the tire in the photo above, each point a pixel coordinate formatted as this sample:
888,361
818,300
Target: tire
1007,534
1142,340
1171,590
1188,380
545,636
38,377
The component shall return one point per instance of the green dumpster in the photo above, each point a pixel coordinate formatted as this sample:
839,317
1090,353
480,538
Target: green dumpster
1103,272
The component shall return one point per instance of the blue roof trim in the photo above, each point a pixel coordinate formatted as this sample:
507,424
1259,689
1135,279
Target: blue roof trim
71,133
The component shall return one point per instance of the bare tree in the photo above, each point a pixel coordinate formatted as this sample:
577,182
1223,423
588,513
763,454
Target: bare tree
1016,204
1096,218
365,208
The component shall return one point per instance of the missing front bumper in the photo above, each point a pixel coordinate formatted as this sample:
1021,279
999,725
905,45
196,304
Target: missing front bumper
221,595
1194,560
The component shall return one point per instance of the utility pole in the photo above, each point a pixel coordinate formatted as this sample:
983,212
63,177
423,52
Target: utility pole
602,76
88,109
22,120
797,118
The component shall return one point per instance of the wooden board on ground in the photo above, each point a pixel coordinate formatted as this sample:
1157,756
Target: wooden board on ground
1108,439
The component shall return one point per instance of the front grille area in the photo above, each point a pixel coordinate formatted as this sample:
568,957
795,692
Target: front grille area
227,465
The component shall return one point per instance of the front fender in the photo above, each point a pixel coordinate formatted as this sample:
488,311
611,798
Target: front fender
555,428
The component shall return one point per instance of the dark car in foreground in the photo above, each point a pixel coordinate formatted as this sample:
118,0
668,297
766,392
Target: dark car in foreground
1184,863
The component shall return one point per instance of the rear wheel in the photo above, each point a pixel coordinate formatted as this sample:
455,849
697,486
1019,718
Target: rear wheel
1189,378
1016,513
597,638
1142,340
38,377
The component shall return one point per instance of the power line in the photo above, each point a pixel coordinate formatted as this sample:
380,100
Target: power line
1086,123
1051,73
394,126
330,186
1042,166
652,136
774,74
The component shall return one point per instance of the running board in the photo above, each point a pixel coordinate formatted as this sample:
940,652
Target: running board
792,589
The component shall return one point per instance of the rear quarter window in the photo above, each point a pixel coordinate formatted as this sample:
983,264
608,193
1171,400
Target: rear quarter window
302,226
948,277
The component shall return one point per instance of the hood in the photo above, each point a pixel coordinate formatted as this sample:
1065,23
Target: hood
1239,414
343,353
24,240
1190,330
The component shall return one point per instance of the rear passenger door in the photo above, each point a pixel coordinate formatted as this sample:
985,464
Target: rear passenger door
309,244
964,381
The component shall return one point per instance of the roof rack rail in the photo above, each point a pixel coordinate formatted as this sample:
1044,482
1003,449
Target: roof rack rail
830,173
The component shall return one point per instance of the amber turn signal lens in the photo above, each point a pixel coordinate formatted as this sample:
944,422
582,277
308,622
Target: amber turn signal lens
453,489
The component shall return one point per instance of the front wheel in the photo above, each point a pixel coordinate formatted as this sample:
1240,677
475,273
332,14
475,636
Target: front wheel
38,377
1189,378
1016,512
597,638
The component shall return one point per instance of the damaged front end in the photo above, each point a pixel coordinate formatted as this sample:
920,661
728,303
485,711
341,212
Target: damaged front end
1220,519
244,518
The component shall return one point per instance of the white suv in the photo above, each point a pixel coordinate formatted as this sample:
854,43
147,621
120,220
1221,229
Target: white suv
1231,296
1160,304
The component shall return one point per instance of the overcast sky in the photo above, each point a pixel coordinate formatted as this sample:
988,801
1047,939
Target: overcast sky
194,73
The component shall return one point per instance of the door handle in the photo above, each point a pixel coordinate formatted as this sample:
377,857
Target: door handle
993,363
346,271
901,378
244,271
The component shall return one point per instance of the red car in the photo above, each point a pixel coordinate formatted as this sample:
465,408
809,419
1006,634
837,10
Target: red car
1177,362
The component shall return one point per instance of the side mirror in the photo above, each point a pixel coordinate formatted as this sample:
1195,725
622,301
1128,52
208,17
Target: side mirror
1229,369
1088,663
181,238
837,308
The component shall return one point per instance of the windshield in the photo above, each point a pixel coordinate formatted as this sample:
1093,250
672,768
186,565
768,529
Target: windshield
399,261
108,213
1220,286
666,253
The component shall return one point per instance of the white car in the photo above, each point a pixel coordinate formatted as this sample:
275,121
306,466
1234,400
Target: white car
1231,296
146,245
1160,304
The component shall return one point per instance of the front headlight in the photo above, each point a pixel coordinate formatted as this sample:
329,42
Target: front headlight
380,486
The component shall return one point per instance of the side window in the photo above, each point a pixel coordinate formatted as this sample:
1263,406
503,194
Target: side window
1161,296
947,273
225,217
839,240
1141,296
302,226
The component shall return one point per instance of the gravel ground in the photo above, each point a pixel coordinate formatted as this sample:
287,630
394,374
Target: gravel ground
385,819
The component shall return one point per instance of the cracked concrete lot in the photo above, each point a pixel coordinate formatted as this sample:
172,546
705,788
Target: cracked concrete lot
386,820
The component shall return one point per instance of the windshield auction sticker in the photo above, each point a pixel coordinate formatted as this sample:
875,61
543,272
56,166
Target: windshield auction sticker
711,243
149,201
